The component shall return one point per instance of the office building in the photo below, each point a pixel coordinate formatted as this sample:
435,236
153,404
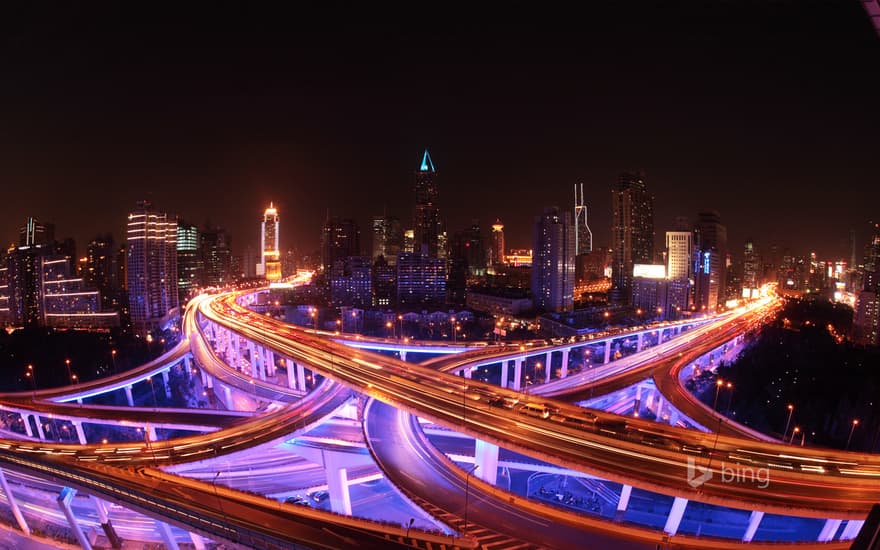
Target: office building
340,239
427,228
351,282
270,250
215,250
384,282
679,255
421,279
151,266
710,262
583,236
387,238
553,261
496,243
632,231
188,260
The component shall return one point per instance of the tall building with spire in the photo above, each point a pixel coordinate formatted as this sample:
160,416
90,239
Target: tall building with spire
270,253
496,243
426,218
583,237
151,268
632,231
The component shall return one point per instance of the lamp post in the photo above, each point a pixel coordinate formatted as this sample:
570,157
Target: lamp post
32,376
718,384
400,322
855,423
389,325
113,358
67,364
452,327
729,397
794,432
787,422
467,486
150,380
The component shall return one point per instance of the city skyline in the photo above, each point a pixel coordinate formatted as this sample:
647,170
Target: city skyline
775,131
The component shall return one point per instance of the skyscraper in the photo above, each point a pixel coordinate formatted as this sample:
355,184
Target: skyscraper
101,271
188,261
553,265
751,278
215,249
710,262
679,255
421,280
496,245
426,218
387,238
340,239
270,253
632,231
151,266
583,242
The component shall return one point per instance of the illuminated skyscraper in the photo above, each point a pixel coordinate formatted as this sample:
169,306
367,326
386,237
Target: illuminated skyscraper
426,218
216,257
151,268
679,255
710,262
188,261
387,238
496,245
553,261
270,251
632,231
583,237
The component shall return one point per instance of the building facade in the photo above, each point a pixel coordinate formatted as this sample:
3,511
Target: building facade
151,268
632,231
553,261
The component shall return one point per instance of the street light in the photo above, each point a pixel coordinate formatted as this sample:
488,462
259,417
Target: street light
67,364
718,384
153,388
400,322
452,326
787,422
794,432
113,358
855,423
467,486
729,397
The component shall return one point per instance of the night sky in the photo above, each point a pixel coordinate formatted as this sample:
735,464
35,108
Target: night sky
767,111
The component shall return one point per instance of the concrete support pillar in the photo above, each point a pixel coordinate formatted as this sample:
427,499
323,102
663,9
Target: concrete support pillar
270,362
625,493
486,457
39,423
829,530
291,372
10,498
466,372
165,384
659,336
236,351
227,392
754,522
167,536
660,404
197,541
209,381
300,377
337,485
852,529
650,401
504,374
607,351
517,373
128,396
187,364
547,366
26,420
639,341
106,525
564,372
403,355
675,515
80,433
673,416
151,432
64,500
